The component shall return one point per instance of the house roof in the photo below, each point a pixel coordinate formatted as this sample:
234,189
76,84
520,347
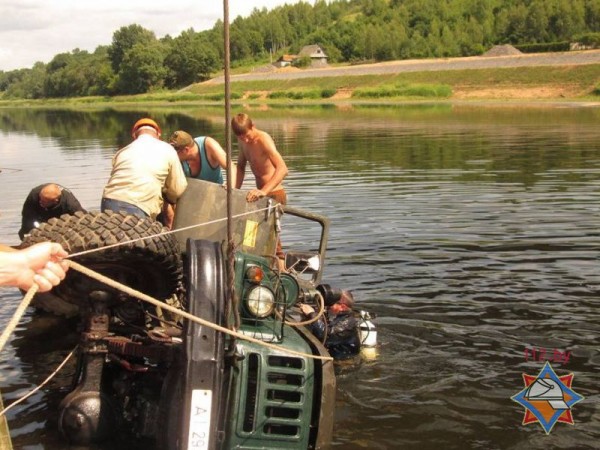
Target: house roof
287,58
314,51
502,50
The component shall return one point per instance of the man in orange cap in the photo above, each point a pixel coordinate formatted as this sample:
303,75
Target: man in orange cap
145,174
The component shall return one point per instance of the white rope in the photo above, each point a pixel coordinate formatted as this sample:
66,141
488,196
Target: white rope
46,381
308,321
164,233
146,298
14,321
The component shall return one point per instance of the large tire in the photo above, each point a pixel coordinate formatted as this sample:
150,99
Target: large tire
152,265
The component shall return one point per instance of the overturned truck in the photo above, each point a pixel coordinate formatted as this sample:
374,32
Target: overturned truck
177,383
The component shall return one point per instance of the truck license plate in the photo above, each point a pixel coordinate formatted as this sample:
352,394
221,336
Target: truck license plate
200,419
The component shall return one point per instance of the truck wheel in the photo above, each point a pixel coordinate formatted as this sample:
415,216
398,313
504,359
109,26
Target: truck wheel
152,265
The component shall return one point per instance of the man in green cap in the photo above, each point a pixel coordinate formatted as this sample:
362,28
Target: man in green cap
201,157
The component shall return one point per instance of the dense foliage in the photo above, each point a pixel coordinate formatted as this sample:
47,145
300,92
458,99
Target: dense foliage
137,61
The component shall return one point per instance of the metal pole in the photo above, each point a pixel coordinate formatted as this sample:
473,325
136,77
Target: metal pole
231,307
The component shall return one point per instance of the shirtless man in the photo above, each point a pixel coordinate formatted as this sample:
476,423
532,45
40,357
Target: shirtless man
268,167
258,149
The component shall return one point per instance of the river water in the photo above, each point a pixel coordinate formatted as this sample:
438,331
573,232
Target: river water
470,231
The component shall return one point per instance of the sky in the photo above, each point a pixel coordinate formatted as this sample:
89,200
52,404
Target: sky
37,30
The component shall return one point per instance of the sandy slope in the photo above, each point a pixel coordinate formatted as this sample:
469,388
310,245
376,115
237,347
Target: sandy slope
419,65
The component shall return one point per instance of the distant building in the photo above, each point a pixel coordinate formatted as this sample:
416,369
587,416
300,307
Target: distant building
315,53
579,46
285,60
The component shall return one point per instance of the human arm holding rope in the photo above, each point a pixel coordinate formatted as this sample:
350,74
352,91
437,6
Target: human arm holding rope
42,264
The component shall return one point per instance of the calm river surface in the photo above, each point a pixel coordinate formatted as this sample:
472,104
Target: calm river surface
471,232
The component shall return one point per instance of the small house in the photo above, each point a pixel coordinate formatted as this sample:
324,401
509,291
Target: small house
579,46
315,53
285,60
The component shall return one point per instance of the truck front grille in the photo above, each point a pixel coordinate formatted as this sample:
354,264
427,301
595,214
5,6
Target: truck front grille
275,396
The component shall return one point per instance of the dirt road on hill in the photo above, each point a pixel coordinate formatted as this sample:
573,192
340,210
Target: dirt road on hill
420,65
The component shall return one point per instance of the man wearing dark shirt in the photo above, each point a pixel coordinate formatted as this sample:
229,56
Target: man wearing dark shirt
338,328
44,202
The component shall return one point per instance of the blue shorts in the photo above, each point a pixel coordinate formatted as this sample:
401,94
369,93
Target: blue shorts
118,205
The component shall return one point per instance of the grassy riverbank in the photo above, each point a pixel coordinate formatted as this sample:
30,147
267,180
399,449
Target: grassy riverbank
547,83
541,83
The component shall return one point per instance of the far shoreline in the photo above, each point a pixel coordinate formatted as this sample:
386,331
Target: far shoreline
568,79
87,103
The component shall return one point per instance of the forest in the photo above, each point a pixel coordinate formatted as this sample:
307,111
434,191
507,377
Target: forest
349,31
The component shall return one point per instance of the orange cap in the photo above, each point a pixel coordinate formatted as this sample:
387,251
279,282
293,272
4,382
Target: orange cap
145,122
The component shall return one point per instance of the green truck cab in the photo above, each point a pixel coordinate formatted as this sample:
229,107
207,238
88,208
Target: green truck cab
274,398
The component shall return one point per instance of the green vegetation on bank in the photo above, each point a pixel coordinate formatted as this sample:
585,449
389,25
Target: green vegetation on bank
349,31
417,90
578,82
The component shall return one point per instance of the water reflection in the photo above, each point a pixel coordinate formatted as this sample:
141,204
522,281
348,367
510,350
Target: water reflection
471,232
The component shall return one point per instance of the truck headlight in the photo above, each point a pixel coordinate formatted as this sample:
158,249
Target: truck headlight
260,301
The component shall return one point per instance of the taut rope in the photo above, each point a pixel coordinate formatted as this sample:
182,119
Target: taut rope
163,233
146,298
33,391
17,315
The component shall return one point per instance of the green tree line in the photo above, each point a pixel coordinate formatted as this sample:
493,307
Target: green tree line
349,31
